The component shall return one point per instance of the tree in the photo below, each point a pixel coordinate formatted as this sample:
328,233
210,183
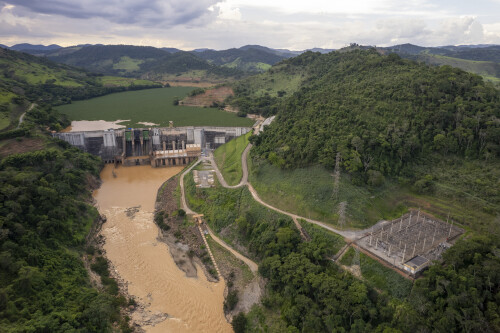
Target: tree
239,323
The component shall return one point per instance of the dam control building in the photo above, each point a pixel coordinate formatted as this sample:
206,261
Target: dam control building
157,147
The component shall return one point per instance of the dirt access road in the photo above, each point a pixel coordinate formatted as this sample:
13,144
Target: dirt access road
251,264
244,182
21,118
351,235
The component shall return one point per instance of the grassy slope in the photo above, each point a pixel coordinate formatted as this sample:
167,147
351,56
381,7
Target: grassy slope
4,120
309,192
152,105
35,73
379,276
489,70
128,64
274,80
248,66
228,158
195,76
21,70
221,254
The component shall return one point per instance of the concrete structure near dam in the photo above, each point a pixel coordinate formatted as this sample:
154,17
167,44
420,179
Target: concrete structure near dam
157,147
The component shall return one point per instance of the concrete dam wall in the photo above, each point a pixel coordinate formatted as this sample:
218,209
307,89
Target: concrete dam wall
156,146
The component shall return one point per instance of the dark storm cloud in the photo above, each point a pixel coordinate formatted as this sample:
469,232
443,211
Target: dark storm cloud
141,12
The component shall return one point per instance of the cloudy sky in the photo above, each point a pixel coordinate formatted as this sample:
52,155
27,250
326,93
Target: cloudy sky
296,25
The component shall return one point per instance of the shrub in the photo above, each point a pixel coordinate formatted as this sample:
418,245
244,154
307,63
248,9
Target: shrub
231,300
239,323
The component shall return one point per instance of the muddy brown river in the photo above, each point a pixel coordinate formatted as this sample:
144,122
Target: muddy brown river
172,302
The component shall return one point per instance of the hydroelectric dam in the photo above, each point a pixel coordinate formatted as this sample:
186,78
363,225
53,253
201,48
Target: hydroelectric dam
158,147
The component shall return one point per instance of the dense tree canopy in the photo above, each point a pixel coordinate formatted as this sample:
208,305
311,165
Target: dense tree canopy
380,113
44,220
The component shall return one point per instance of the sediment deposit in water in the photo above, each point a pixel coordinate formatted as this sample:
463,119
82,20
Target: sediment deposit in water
172,302
93,125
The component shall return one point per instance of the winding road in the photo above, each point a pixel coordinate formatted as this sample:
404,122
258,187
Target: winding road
352,235
251,264
349,235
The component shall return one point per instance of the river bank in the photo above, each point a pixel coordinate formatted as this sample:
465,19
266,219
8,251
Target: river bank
170,300
243,287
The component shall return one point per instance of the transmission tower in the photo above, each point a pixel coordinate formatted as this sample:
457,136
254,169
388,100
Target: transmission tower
336,177
342,213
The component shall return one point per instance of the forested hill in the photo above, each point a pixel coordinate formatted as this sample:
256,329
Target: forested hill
250,59
46,209
26,78
41,80
482,60
381,113
137,61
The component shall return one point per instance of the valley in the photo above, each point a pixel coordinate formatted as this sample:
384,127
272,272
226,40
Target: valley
368,202
154,106
144,264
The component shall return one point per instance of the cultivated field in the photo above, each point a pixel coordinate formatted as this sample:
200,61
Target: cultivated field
151,105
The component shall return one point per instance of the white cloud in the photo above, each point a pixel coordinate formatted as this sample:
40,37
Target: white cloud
222,24
227,11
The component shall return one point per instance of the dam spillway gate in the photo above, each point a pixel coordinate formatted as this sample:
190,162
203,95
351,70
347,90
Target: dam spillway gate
158,147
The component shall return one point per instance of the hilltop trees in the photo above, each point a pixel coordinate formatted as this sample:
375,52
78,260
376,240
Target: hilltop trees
381,113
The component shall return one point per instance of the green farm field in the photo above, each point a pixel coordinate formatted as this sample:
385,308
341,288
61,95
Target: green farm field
150,105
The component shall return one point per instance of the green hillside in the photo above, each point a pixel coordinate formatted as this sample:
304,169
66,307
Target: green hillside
47,219
140,61
248,59
262,93
27,79
487,69
108,59
407,134
382,112
484,61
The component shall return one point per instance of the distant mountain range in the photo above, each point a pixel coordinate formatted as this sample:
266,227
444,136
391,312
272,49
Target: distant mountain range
203,63
248,58
480,59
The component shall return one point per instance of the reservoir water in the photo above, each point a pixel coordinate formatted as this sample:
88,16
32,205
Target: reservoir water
172,301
